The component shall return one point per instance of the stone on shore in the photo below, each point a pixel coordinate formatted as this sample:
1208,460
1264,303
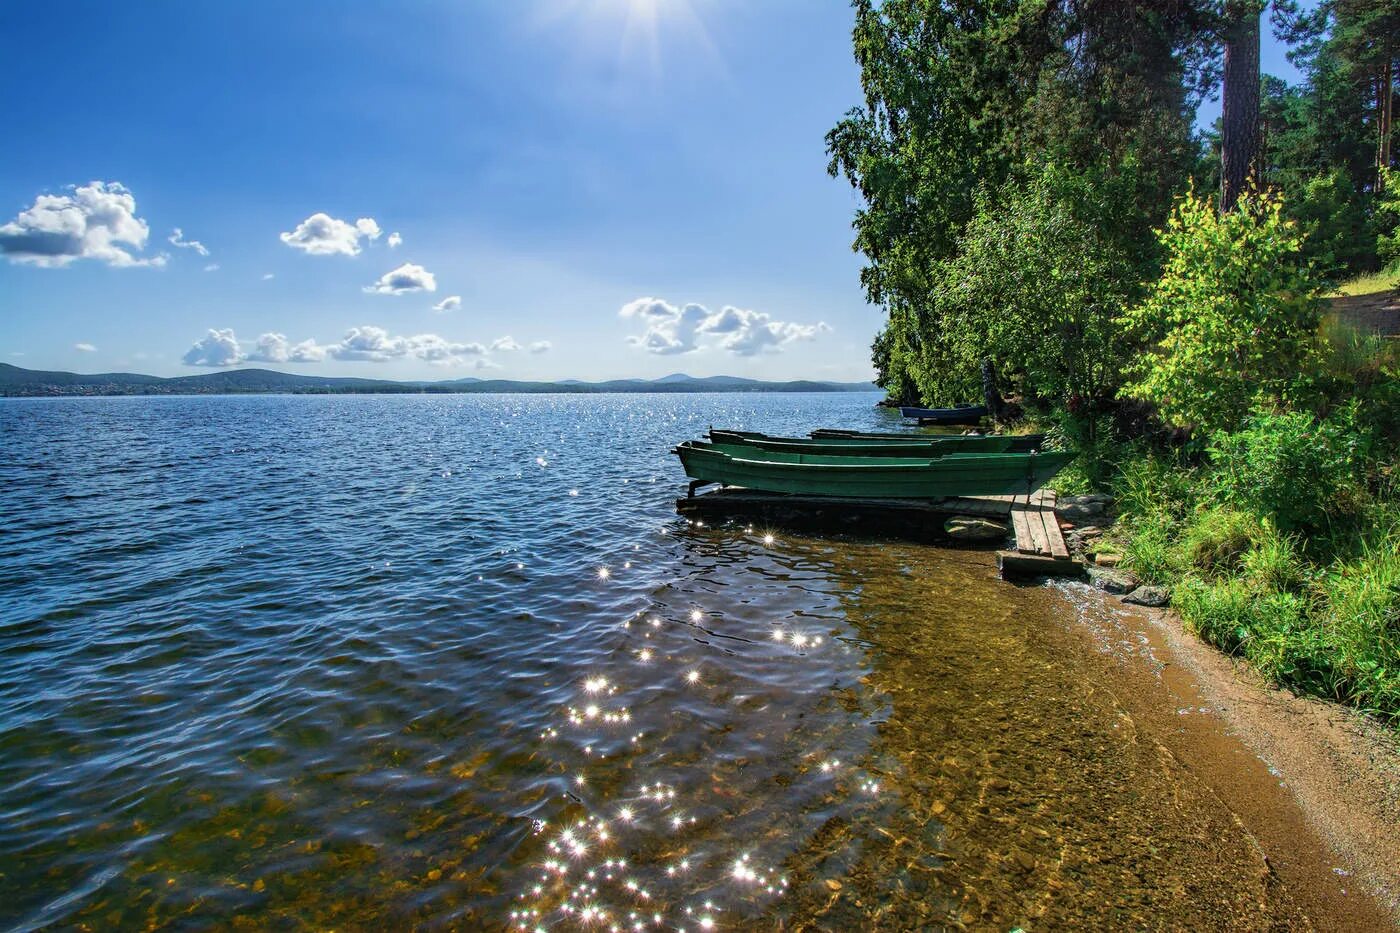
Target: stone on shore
1148,596
1117,582
972,528
1089,509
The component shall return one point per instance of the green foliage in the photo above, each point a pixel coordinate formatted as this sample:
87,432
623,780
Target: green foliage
1363,608
1036,286
1388,222
1232,318
1214,540
1334,217
959,97
1289,466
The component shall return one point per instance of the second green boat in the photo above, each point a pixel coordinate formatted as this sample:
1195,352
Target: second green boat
869,477
907,445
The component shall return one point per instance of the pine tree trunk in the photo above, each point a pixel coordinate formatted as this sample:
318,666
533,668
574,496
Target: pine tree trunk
1239,119
1384,111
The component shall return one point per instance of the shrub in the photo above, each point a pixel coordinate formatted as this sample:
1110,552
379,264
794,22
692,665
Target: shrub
1290,466
1036,285
1214,541
1232,318
1363,609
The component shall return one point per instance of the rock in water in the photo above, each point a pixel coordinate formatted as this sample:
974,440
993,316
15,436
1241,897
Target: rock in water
971,528
1148,596
1113,581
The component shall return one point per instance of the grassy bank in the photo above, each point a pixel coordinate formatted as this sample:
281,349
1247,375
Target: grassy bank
1279,540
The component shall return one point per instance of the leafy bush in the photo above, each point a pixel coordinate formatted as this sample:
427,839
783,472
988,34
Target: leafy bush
1388,218
1232,318
1214,541
1290,466
1036,285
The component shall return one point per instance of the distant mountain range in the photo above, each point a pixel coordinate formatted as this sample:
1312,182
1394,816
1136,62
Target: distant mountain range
15,381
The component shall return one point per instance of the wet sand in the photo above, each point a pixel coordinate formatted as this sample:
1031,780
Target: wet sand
1341,772
1068,762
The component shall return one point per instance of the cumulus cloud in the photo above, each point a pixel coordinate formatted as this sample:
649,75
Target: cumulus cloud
376,345
96,221
177,238
505,344
323,235
450,303
540,346
85,347
406,278
394,239
276,348
364,344
748,333
267,276
217,348
670,329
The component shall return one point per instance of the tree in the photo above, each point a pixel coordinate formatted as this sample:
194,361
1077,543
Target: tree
962,96
1239,117
1232,321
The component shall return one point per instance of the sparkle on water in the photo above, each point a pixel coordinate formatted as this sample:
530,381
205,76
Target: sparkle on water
279,659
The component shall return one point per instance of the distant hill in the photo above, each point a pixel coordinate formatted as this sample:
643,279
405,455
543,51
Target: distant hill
16,381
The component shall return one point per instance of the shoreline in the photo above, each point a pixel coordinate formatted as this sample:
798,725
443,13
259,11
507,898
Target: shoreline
1314,783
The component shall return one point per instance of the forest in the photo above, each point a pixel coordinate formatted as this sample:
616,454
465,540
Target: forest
1044,220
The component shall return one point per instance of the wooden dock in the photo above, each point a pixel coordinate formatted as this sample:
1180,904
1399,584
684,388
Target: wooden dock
1040,547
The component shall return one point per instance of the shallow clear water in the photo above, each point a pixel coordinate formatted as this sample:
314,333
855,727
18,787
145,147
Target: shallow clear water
369,661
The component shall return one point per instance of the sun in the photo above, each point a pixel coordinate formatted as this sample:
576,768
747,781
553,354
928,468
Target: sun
643,32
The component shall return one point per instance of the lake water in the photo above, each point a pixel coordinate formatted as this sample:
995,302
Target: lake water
371,662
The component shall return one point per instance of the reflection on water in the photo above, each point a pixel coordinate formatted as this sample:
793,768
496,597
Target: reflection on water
374,662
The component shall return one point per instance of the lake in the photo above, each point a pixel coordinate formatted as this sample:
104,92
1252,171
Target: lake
370,662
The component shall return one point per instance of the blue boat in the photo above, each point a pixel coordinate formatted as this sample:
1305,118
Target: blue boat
962,414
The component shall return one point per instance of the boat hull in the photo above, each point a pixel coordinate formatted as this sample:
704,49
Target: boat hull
866,477
1019,442
900,446
971,414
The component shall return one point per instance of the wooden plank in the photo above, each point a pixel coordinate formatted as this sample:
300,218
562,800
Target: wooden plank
1020,523
1013,564
1054,541
1042,540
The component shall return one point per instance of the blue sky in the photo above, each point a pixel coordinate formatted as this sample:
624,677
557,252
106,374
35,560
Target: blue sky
606,187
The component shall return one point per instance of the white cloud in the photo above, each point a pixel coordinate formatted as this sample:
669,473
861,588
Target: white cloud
267,276
450,303
394,239
406,278
748,333
505,344
366,344
85,347
375,344
276,348
217,348
540,346
212,267
177,238
671,329
323,235
97,221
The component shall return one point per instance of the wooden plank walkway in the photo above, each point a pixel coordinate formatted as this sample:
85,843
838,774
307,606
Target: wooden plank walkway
1040,547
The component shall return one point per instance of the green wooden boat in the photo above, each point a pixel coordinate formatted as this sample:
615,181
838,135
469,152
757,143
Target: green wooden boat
868,477
900,445
841,435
